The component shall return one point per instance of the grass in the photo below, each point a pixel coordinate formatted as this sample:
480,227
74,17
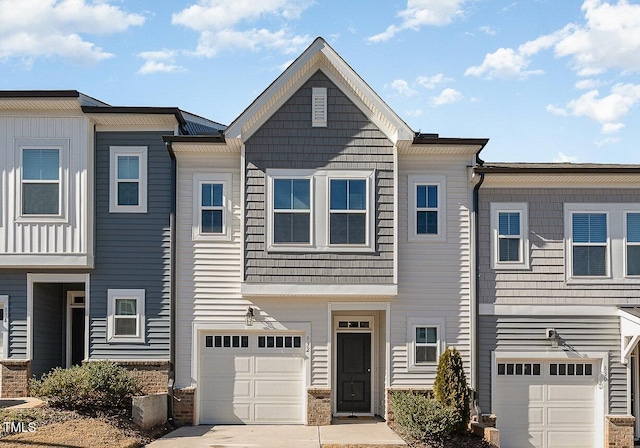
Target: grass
52,427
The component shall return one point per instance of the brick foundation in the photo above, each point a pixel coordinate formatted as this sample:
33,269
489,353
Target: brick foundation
618,432
183,406
318,407
15,378
153,375
389,393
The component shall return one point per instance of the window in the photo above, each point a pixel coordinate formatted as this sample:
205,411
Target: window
509,236
291,211
589,239
41,183
348,211
518,369
426,211
318,210
633,244
424,343
212,206
128,179
126,315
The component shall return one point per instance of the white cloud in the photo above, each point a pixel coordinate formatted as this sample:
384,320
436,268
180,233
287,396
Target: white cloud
422,13
607,141
162,61
431,82
563,158
612,128
447,96
557,110
53,28
414,113
402,87
588,84
225,25
503,63
489,31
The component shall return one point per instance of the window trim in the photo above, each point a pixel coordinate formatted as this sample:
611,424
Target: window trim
62,145
510,207
226,179
139,296
416,322
569,211
414,181
319,203
142,153
626,244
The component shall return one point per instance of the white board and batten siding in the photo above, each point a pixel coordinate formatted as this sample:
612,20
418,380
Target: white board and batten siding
433,276
67,240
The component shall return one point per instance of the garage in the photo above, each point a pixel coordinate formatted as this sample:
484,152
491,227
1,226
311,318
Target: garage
546,404
252,378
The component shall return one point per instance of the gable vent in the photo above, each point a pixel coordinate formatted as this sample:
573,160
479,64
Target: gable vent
319,107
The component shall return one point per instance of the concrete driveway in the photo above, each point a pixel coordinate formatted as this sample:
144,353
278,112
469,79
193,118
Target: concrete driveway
372,433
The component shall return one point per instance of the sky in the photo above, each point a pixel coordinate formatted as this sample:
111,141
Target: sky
544,80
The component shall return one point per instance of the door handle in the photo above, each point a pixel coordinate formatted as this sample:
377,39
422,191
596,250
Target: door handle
369,370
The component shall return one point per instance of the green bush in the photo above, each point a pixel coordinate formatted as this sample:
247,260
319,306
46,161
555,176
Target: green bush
100,387
423,418
450,388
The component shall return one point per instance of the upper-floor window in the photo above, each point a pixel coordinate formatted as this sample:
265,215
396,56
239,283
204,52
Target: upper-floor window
590,244
633,243
426,210
128,179
320,210
211,206
348,211
292,211
509,236
602,242
41,181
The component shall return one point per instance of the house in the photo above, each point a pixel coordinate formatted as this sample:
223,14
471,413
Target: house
559,291
323,254
85,234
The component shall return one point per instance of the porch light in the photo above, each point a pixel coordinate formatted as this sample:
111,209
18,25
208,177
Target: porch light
553,336
249,317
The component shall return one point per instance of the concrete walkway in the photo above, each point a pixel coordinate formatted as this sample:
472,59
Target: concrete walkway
352,434
20,403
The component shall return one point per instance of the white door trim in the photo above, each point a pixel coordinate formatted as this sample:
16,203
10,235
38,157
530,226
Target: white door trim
71,296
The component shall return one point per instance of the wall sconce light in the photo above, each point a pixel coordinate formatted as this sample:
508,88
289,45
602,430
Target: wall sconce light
553,336
249,318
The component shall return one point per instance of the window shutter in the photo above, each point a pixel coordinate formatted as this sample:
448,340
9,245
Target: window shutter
319,107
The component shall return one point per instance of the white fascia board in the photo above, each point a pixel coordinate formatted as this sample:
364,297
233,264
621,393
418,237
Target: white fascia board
318,290
46,261
490,309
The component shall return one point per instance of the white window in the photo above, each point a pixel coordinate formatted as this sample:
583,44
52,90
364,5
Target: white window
42,180
319,107
509,236
128,179
602,242
632,234
319,210
126,315
425,343
212,207
426,210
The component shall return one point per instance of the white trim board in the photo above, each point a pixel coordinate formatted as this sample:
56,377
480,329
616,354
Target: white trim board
490,309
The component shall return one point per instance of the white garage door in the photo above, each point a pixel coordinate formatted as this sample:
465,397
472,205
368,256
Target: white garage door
252,378
546,404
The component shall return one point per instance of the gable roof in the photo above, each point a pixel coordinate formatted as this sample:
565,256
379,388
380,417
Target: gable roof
318,56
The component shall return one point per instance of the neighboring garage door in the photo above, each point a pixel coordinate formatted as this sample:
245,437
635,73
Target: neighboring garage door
252,378
546,404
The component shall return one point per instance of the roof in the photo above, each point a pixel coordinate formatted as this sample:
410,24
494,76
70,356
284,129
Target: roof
556,168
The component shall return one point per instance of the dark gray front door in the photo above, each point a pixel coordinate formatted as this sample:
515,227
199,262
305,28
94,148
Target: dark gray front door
77,335
354,372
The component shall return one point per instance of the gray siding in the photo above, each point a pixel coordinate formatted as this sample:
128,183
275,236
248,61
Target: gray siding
14,284
49,336
133,250
545,282
288,141
581,334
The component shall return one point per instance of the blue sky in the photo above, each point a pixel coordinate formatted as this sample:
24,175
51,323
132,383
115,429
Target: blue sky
544,80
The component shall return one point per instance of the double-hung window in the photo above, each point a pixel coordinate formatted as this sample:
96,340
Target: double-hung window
426,211
348,211
424,337
41,181
590,244
632,226
509,239
128,179
292,211
212,206
126,315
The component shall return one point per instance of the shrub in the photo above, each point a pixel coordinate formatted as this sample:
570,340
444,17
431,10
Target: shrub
100,387
423,418
450,388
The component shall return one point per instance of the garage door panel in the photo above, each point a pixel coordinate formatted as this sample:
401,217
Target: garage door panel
520,438
570,439
214,411
574,392
536,416
566,415
275,413
218,364
278,364
277,389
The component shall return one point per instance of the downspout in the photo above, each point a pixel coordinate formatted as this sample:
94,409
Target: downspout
172,289
476,298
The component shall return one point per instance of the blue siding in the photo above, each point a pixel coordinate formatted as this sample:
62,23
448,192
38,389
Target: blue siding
14,284
133,250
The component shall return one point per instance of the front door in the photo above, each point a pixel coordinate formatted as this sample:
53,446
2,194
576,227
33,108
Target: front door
75,327
354,372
